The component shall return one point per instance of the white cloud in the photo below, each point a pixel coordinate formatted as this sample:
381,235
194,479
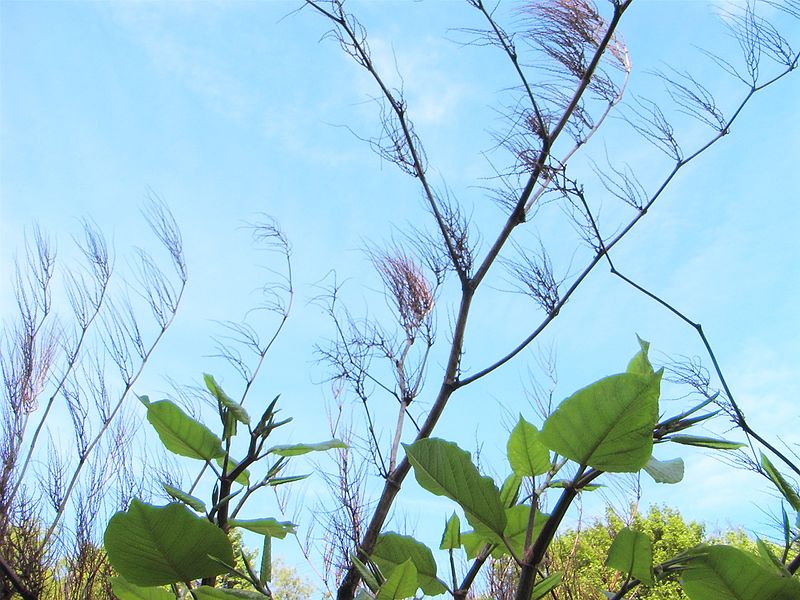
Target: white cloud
151,25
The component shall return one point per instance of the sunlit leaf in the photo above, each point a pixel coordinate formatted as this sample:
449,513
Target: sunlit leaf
728,573
125,590
546,585
276,481
665,471
270,527
451,538
298,449
392,550
444,469
509,493
631,553
402,583
527,455
640,364
367,575
265,573
705,442
189,500
156,545
607,425
234,408
181,434
784,487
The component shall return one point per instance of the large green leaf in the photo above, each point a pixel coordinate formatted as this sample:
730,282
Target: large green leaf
444,469
607,425
298,449
402,583
156,545
665,471
527,455
631,553
451,538
784,487
728,573
270,527
392,550
181,434
234,408
125,590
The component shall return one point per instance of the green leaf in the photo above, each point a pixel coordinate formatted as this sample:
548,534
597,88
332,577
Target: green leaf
787,527
517,526
784,487
527,455
265,572
444,469
191,501
769,559
392,550
705,442
509,493
607,425
298,449
370,578
205,592
270,527
563,483
276,481
243,478
728,573
451,538
181,434
156,545
234,408
631,553
515,533
125,590
640,364
665,471
402,583
546,585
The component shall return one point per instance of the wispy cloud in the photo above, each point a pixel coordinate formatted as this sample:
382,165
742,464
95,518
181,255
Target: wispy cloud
157,28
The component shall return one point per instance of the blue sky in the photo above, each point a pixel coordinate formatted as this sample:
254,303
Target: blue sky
227,110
